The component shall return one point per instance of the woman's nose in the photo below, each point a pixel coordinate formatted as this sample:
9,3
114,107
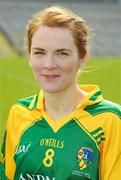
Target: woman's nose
50,62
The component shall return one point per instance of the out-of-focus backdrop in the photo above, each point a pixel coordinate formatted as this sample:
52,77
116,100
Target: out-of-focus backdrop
103,68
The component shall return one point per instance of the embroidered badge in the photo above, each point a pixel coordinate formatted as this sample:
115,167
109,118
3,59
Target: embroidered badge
85,156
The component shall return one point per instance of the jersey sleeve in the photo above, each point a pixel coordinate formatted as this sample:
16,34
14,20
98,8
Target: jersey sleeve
7,164
19,118
110,165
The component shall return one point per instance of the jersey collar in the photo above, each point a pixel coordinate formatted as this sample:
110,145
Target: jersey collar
94,96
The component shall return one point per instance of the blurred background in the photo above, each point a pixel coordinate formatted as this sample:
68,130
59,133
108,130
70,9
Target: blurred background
104,65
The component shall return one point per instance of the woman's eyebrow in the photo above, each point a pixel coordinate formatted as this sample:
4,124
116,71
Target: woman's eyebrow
58,50
63,49
37,48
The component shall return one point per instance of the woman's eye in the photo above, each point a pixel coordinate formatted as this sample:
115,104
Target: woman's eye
39,53
63,54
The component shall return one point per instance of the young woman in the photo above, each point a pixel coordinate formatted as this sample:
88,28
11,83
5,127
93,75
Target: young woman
67,131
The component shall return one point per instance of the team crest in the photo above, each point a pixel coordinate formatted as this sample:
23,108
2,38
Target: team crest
84,157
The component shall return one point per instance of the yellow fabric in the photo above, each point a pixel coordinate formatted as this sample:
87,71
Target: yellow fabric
110,165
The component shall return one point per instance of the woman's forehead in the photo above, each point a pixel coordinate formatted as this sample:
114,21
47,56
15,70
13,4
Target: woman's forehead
53,36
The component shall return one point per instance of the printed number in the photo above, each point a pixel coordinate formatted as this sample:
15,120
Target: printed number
48,161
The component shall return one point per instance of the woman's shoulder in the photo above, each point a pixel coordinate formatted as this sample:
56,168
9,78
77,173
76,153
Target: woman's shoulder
24,105
22,109
105,106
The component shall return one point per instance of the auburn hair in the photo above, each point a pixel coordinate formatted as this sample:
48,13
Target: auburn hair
55,16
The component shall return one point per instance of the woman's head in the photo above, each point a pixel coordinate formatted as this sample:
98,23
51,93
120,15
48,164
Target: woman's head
63,18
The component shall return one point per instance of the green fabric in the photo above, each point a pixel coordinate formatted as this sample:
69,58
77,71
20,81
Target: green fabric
2,173
96,131
102,107
27,101
98,135
95,96
2,163
65,144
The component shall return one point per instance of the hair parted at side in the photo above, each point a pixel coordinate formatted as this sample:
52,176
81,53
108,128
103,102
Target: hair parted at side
56,16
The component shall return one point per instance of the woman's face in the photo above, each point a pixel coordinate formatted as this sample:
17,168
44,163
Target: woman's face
54,58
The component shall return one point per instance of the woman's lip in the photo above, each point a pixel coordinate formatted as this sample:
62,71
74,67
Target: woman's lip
51,75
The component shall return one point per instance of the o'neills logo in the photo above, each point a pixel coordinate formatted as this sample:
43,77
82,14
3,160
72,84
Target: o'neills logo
35,177
52,142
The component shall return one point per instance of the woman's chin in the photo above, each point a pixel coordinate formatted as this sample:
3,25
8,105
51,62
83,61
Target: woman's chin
51,89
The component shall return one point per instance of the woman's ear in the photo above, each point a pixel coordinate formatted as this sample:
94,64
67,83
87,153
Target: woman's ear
84,59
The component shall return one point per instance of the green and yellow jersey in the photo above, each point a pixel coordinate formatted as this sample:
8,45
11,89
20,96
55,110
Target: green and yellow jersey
85,144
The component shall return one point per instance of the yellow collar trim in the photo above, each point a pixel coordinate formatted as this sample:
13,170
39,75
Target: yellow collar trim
56,125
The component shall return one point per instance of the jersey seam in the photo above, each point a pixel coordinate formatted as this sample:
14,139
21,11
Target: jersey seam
88,133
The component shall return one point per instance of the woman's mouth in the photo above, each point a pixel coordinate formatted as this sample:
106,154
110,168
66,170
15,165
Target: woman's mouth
51,76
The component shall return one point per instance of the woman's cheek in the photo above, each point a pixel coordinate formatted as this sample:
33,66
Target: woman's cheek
69,67
35,68
35,65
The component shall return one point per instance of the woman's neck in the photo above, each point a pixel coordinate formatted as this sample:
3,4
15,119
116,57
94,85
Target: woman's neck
62,103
